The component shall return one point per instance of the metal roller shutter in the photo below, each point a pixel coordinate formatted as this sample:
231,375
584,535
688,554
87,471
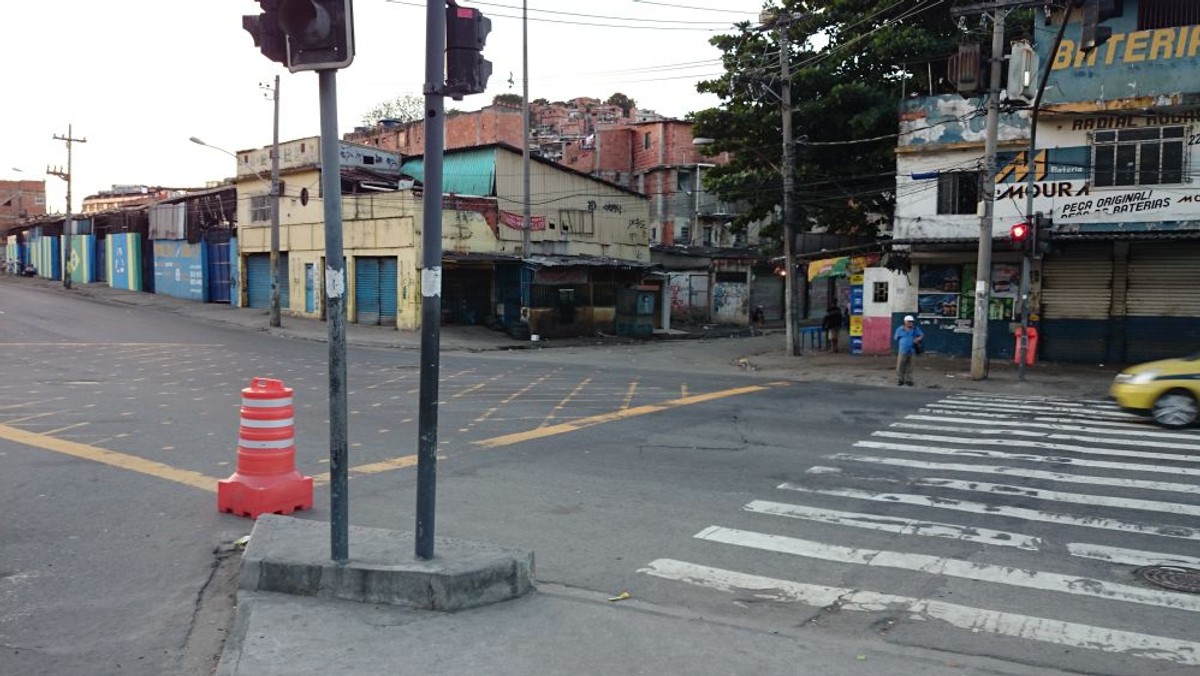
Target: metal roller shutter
258,280
1162,317
366,290
767,291
1076,304
387,291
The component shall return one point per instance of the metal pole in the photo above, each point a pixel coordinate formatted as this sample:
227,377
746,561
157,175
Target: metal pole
527,223
67,223
335,314
1031,181
431,276
983,272
789,207
275,212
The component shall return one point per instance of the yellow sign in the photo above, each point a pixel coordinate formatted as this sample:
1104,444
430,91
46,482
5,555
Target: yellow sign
856,325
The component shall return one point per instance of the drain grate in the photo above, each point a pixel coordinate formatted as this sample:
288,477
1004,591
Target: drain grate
1176,578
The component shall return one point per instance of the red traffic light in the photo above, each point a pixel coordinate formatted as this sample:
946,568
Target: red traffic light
1019,233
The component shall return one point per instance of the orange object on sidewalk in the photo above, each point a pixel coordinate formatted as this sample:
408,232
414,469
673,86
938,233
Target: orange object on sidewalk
1030,347
266,480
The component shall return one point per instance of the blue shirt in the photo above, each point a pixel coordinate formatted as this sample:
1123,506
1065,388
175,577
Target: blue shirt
905,338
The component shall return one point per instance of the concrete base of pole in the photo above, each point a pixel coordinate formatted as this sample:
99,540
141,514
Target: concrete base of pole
287,555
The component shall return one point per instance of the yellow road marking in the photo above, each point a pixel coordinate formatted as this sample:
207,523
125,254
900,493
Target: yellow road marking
32,417
402,462
112,458
28,403
581,423
68,427
629,395
488,413
566,400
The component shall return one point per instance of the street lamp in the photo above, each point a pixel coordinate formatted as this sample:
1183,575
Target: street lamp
274,313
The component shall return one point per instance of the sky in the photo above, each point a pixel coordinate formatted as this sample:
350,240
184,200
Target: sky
137,78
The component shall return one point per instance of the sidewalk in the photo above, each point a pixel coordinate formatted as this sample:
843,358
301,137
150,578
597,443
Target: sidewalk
709,348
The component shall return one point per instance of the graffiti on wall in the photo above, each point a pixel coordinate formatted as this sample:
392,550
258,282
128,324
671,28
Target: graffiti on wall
731,301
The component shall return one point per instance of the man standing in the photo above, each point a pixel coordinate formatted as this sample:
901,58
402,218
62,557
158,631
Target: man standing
832,324
908,339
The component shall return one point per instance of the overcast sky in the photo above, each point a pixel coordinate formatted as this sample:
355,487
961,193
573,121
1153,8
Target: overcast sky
136,78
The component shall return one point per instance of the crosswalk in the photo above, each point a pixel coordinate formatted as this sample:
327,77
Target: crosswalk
1033,511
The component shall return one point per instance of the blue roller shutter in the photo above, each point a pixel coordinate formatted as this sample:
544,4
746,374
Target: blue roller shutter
387,291
258,280
366,290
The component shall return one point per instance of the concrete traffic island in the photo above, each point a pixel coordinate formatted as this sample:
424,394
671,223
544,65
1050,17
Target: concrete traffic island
291,556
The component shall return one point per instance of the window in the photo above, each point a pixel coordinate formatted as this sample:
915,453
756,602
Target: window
578,221
958,192
1153,14
708,235
685,235
879,292
260,208
1144,156
646,141
684,182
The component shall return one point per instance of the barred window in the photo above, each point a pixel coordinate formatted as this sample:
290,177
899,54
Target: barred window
1143,156
260,208
958,192
578,221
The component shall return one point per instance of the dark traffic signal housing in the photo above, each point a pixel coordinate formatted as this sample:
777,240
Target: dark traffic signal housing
304,34
1093,34
467,72
1020,234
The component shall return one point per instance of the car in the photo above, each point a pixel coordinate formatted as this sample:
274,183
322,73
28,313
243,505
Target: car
1168,390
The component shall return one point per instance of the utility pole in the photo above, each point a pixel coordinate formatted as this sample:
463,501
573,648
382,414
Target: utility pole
527,220
781,23
275,320
983,269
66,176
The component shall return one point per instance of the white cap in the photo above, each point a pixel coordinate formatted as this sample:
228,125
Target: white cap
909,318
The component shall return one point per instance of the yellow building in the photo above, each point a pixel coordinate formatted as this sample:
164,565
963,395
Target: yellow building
588,239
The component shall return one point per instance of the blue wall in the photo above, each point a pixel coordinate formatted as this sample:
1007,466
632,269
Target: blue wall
180,268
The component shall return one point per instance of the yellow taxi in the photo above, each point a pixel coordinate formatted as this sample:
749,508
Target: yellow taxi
1168,390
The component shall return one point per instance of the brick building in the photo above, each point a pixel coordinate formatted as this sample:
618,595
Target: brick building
20,200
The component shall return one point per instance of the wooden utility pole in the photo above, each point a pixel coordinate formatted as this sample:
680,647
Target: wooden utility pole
66,176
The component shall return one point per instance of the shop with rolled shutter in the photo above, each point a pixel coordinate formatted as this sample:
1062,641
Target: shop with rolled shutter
1076,304
375,290
258,280
1162,307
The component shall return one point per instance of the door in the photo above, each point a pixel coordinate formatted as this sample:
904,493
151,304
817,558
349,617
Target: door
258,280
366,289
388,291
1077,298
219,268
1162,308
310,288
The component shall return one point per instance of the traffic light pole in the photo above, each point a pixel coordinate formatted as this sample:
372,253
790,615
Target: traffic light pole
1031,182
431,275
335,316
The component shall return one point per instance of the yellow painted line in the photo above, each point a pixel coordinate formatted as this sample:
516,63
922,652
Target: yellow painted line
402,462
112,458
23,405
68,427
509,399
566,400
31,417
629,395
581,423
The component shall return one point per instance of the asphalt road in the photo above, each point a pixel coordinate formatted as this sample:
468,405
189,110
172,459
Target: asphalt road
969,523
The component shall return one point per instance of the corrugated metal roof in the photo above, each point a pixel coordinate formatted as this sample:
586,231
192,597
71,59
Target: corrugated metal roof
465,172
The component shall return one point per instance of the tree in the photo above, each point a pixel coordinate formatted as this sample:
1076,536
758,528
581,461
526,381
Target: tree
618,99
852,61
406,108
513,100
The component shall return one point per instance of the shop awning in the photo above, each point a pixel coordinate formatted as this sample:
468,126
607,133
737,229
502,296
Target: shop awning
841,266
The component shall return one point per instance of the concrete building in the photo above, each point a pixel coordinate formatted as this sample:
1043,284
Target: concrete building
1114,170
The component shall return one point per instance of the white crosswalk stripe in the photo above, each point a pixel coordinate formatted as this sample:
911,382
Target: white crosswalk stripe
1127,507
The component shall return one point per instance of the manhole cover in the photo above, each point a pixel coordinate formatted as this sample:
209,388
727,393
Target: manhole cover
1176,578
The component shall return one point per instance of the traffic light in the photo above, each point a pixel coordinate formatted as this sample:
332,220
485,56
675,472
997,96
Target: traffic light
1043,230
467,72
1020,235
1094,12
264,28
304,34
